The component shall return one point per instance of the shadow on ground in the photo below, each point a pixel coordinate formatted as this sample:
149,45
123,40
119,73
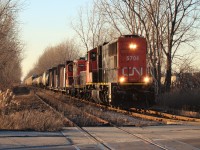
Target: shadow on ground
21,90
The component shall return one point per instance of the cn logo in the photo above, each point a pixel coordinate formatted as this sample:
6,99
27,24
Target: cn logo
132,71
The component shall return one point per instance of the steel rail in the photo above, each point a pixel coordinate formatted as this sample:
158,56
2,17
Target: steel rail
101,143
177,117
169,118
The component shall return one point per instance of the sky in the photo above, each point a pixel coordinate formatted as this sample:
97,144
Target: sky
45,23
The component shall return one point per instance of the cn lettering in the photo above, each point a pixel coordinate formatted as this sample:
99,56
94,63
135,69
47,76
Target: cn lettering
132,71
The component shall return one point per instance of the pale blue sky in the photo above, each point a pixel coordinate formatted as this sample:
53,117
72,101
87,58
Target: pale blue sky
44,23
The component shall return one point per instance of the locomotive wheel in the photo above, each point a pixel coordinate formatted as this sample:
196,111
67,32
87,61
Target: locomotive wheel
104,97
87,96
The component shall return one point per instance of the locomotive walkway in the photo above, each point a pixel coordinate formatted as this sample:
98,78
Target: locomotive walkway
172,137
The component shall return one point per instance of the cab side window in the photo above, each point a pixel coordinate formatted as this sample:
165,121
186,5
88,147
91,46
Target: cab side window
70,68
93,56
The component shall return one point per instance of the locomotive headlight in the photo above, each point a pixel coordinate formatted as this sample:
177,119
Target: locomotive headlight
121,79
146,79
132,46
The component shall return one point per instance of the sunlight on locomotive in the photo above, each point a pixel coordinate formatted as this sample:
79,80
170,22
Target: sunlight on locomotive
146,79
132,46
121,79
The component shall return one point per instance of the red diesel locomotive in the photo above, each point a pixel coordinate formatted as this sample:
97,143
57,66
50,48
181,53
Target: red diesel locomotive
117,72
113,73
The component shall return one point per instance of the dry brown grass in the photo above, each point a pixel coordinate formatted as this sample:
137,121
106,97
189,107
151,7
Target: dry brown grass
31,120
76,111
26,112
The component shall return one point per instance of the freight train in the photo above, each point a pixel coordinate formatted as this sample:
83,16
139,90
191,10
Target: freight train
114,73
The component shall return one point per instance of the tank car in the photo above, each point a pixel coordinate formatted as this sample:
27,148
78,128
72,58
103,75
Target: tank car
37,81
29,81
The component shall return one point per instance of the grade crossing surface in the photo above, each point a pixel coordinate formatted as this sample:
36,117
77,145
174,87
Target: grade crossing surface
173,137
125,138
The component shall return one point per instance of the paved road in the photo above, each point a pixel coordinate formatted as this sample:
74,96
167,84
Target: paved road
177,137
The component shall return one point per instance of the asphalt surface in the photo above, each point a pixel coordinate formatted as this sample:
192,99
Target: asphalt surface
173,137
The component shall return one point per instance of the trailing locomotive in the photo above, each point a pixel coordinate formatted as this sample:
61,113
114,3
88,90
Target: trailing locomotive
113,73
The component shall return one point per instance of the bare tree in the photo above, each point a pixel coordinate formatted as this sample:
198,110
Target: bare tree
168,28
10,46
120,17
90,27
132,17
179,29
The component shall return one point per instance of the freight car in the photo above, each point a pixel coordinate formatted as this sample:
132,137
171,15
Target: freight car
114,73
37,81
45,79
29,80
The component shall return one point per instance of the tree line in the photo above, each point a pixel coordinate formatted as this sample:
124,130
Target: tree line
54,55
168,26
10,46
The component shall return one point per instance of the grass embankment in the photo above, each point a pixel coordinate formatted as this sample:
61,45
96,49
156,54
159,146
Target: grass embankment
25,112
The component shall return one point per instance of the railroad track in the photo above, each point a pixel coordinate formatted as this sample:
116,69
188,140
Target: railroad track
147,114
99,141
153,115
167,115
102,145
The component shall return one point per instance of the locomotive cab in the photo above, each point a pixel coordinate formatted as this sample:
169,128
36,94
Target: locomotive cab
79,77
91,72
78,67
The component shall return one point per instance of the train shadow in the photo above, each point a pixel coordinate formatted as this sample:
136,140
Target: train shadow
21,90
